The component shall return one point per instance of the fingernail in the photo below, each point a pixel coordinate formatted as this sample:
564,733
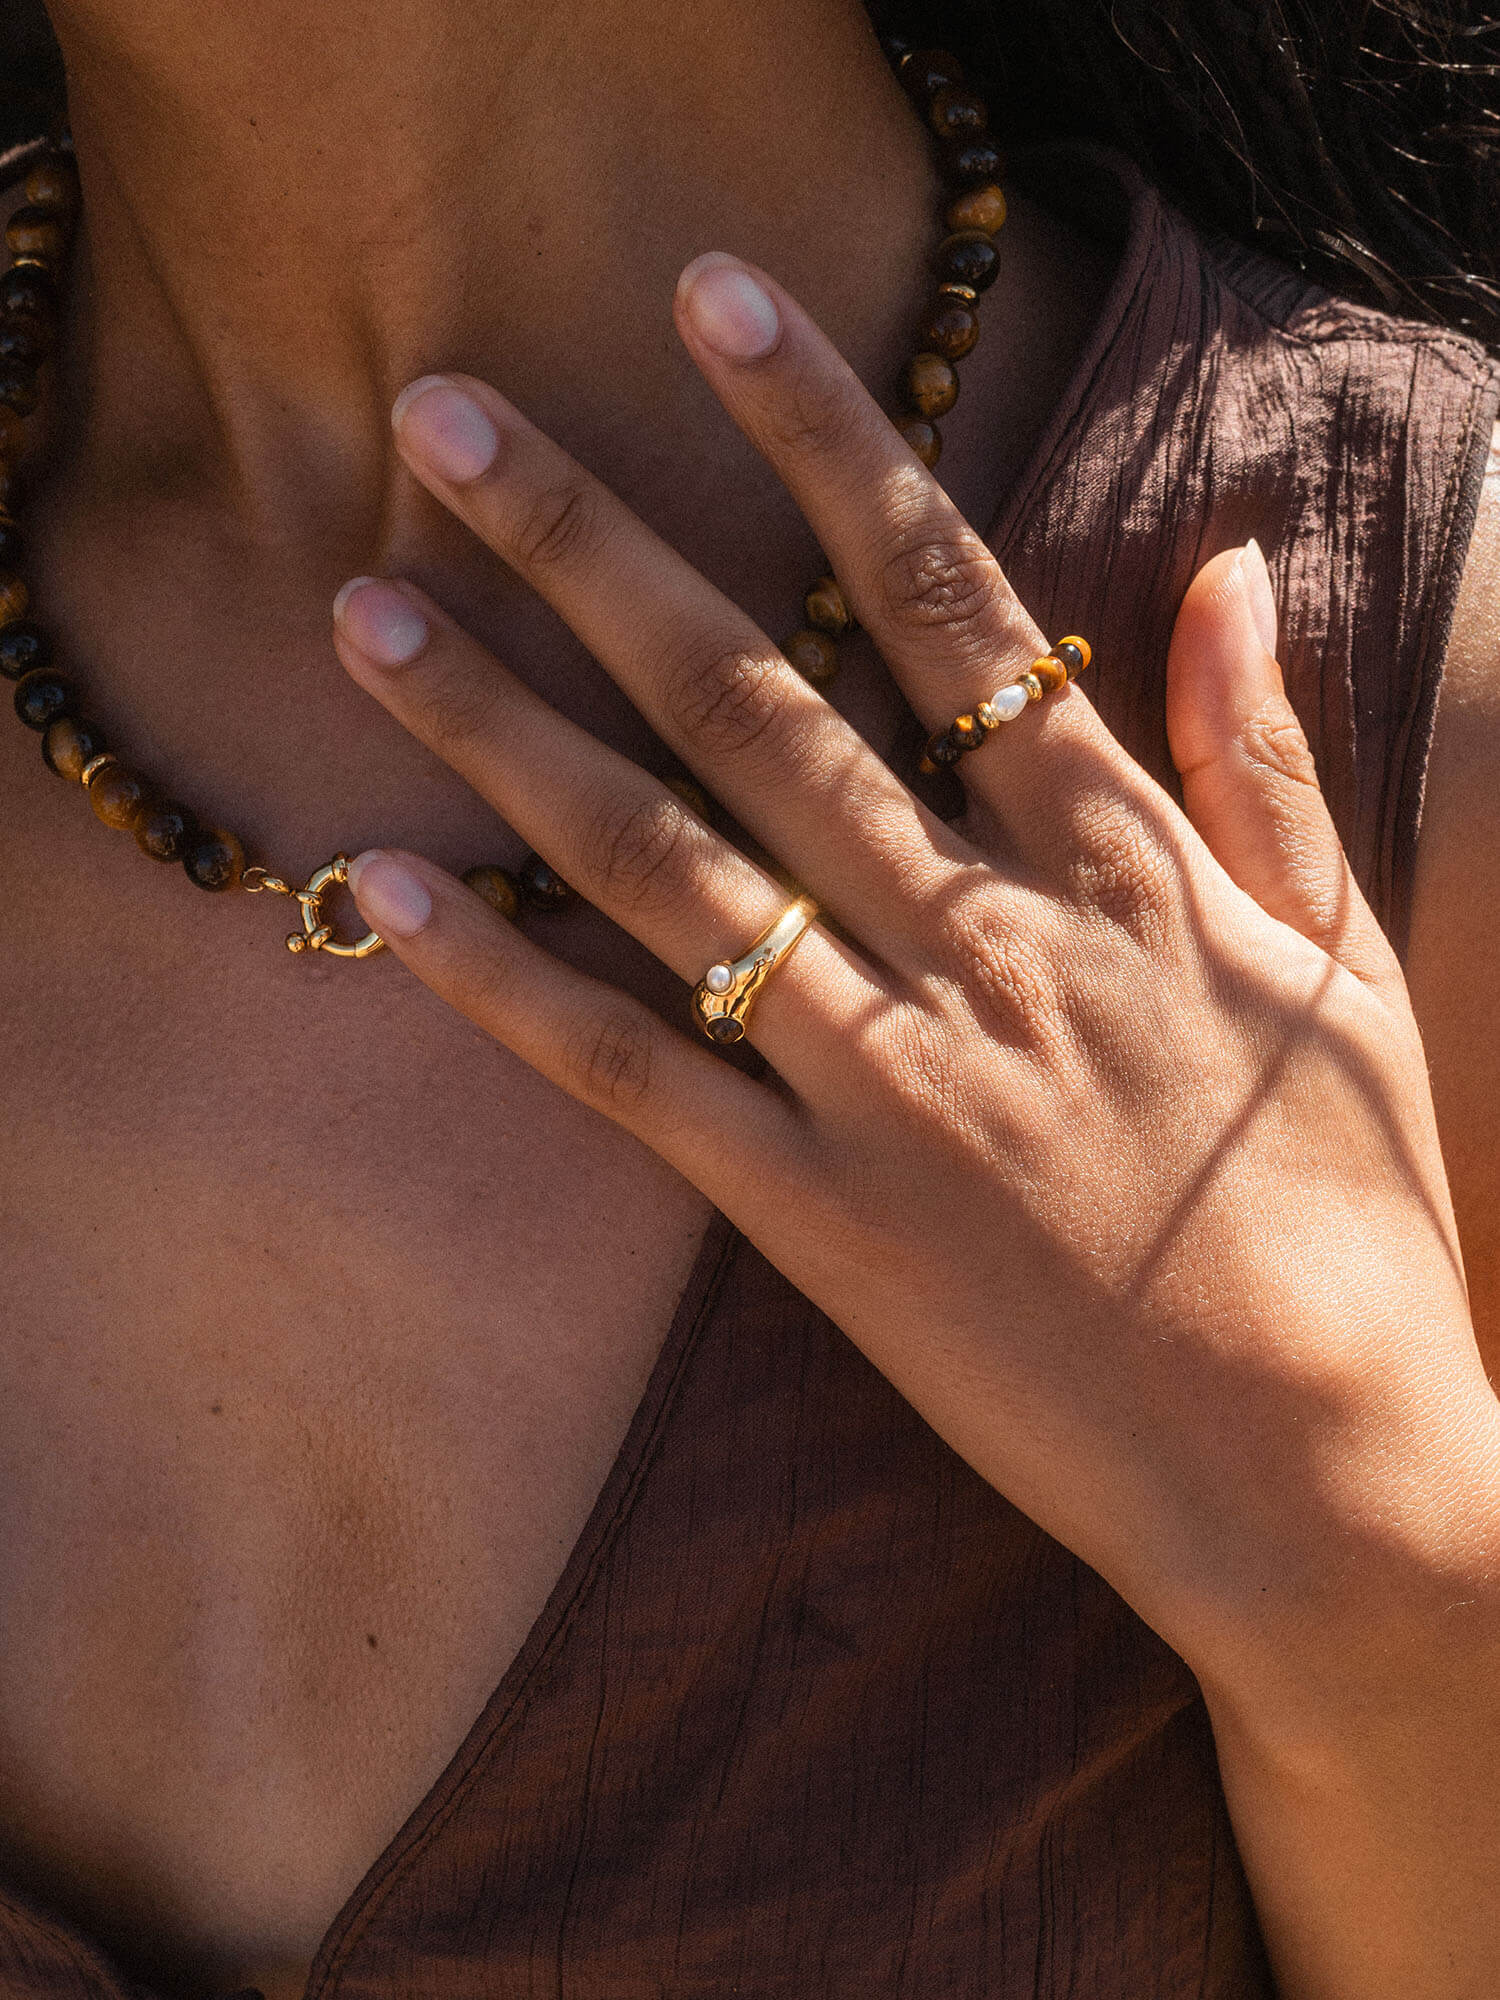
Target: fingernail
445,429
391,899
380,622
729,311
1258,592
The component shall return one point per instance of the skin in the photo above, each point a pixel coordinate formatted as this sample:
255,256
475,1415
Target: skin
292,1355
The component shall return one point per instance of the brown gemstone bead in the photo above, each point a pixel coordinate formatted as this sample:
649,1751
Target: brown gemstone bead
941,750
212,858
1081,647
970,162
14,597
957,113
541,884
34,232
24,341
978,208
814,655
967,731
691,793
68,745
119,797
24,648
927,70
18,389
924,437
968,257
950,329
53,186
26,293
1050,671
495,886
931,385
827,608
42,696
165,829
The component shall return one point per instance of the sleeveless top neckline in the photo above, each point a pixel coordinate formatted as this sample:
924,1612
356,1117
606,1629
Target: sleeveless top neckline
811,1709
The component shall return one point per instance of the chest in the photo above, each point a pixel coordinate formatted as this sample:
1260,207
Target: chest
321,1323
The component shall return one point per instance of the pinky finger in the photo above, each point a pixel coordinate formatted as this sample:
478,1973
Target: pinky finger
600,1045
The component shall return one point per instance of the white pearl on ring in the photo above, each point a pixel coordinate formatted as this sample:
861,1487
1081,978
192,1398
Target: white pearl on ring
1008,702
718,978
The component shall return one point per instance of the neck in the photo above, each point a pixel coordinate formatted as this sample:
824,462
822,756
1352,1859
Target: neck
292,221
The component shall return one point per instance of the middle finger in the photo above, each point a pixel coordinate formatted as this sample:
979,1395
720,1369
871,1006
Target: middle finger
711,684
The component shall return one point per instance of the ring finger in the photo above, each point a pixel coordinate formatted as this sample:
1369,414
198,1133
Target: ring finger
622,838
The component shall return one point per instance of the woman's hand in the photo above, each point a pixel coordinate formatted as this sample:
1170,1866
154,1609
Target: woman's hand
1101,1127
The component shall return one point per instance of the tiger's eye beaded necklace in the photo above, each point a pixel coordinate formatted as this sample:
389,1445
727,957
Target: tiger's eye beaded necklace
38,236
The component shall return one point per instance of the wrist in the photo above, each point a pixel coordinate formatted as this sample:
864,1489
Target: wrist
1375,1602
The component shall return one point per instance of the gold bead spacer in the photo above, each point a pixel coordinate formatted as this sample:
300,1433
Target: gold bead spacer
950,290
94,766
986,717
1033,687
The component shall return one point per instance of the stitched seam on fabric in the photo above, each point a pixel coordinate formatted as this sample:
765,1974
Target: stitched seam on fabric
515,1713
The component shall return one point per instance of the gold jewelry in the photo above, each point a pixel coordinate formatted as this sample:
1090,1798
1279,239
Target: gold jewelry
964,263
723,996
1067,659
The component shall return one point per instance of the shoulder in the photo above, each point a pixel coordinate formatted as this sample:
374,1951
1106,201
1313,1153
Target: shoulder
1453,952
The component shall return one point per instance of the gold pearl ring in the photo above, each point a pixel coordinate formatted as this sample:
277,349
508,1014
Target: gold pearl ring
723,996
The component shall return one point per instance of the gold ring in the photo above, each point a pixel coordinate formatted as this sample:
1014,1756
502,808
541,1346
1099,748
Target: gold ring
722,997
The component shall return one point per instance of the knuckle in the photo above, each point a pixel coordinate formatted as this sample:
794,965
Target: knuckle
813,417
563,524
946,585
458,705
1274,742
610,1061
639,849
1128,875
1003,964
725,701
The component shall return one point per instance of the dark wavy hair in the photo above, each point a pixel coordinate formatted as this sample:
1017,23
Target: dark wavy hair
1357,139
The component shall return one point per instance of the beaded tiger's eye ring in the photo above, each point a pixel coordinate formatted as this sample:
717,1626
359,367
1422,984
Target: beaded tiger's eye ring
1065,662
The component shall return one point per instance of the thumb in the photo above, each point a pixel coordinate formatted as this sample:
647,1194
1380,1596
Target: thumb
1249,783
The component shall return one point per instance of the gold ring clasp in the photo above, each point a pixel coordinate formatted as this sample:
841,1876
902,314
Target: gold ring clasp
316,933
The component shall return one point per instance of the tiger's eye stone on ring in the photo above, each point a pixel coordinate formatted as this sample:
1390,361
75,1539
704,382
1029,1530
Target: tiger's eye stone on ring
1050,671
495,886
1065,648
